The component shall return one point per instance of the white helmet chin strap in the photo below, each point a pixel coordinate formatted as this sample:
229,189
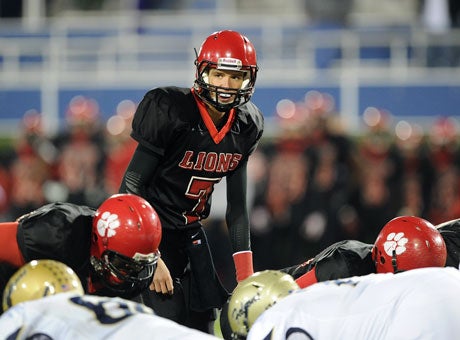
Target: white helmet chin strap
205,77
245,83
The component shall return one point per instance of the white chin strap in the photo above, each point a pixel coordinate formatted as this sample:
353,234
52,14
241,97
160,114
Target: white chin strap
206,77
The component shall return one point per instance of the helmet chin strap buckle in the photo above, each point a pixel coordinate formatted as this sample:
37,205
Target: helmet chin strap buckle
394,263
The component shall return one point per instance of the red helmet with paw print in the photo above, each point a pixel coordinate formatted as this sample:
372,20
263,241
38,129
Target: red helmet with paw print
226,50
408,242
126,235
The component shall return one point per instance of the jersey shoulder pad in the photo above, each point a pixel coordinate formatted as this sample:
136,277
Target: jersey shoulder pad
450,232
162,112
453,225
298,270
344,259
57,231
250,113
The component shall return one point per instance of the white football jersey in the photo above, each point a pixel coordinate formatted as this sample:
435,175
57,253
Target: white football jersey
70,316
417,304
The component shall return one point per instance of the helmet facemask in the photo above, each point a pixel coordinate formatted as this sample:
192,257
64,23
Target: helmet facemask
123,275
210,93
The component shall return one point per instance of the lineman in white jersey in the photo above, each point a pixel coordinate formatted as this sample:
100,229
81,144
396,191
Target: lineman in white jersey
73,316
417,304
45,300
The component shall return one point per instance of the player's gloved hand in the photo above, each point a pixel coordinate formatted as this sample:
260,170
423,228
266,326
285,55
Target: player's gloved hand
162,280
243,264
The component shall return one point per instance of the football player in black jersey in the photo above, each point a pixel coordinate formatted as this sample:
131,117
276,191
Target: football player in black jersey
354,258
189,139
113,250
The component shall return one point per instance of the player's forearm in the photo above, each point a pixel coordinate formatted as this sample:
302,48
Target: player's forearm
239,233
237,216
242,255
237,219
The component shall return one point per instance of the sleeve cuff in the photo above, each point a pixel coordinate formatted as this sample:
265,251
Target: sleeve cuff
307,279
243,264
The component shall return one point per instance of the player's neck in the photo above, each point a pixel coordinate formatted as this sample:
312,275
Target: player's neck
215,115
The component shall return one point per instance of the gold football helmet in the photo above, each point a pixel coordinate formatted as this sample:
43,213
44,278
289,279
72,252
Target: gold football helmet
254,295
40,278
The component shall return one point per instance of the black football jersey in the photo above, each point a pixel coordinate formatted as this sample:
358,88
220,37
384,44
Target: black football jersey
340,260
450,232
58,231
168,122
349,257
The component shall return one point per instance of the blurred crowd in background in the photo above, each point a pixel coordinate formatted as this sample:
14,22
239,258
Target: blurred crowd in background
310,183
316,185
83,164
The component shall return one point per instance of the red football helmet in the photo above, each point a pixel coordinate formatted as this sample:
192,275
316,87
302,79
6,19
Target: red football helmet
124,246
408,242
226,50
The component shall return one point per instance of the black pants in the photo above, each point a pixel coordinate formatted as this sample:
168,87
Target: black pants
197,288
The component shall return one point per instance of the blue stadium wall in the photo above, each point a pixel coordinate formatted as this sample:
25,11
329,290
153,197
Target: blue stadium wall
405,101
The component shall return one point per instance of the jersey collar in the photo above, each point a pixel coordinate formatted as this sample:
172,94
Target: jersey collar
216,136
